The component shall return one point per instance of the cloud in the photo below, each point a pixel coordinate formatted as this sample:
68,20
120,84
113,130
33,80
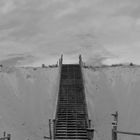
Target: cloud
7,6
45,29
72,8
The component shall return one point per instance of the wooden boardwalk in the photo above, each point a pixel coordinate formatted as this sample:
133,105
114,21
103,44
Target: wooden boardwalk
71,121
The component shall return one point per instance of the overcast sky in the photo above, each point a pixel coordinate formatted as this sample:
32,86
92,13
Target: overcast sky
39,31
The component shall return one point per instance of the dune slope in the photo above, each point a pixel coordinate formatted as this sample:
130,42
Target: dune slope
27,101
113,89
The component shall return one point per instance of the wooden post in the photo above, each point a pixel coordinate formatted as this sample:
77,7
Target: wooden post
50,129
80,60
114,133
61,60
54,129
90,133
89,123
114,124
4,134
8,136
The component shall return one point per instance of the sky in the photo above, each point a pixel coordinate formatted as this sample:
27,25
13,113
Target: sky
33,32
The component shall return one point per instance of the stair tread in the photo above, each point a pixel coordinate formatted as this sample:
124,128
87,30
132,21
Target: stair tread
71,116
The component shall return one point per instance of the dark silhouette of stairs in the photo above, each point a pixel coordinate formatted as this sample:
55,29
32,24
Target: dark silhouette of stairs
71,120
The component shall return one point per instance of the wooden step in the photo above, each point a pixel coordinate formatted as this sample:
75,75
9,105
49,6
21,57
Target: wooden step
71,115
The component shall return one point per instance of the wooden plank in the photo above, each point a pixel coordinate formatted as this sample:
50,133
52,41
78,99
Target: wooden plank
128,133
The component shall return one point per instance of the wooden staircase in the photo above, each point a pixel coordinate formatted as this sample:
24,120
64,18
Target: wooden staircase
71,121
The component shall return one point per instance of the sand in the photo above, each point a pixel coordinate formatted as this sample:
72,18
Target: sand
113,89
28,100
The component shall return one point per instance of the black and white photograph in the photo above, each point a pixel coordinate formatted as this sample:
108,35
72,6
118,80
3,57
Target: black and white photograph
69,69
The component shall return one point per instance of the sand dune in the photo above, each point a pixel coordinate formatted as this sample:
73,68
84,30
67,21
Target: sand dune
113,89
28,100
